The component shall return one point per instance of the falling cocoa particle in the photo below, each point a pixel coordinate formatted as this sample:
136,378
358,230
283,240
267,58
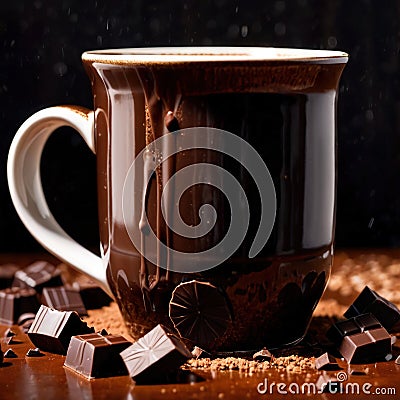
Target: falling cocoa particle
171,122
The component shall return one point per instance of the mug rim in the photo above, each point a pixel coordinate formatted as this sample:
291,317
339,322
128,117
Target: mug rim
214,54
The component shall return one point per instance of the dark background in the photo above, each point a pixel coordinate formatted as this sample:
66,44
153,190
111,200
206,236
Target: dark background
41,43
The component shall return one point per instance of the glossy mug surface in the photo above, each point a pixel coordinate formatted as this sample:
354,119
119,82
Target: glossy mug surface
194,146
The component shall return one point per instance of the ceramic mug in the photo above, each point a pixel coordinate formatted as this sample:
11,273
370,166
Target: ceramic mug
216,188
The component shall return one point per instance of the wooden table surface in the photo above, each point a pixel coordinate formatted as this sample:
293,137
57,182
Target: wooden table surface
46,378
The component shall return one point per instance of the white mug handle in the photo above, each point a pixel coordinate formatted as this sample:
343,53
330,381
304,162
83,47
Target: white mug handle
26,190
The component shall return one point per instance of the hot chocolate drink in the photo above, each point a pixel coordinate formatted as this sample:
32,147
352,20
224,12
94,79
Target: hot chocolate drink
286,112
260,164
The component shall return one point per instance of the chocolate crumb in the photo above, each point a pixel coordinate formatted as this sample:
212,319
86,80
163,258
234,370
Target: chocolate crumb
10,340
198,352
262,355
34,353
9,333
292,364
10,354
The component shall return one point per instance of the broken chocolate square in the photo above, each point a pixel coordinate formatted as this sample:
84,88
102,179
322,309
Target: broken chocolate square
154,356
16,301
96,356
358,324
52,330
367,347
368,301
63,299
326,362
38,275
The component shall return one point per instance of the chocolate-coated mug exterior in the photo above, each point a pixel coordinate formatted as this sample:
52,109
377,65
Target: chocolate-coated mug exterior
283,103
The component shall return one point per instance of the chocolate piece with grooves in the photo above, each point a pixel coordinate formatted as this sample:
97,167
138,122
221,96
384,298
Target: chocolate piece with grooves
63,299
97,356
367,347
38,275
358,324
199,312
368,301
52,330
155,356
16,301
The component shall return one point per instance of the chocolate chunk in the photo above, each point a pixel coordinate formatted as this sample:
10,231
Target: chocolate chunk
262,355
93,296
366,347
16,301
63,299
7,272
52,330
198,352
328,384
199,312
397,361
38,275
368,301
10,354
25,321
34,353
154,356
10,340
358,324
9,333
96,356
326,362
